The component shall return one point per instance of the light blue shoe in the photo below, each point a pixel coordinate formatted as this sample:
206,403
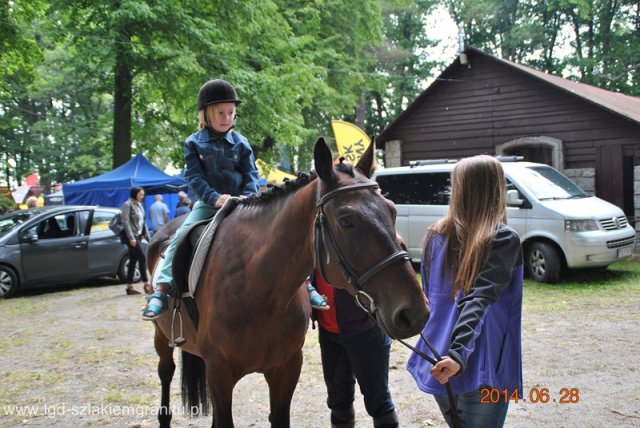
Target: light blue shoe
153,309
317,300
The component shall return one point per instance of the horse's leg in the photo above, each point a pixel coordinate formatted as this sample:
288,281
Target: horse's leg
221,382
166,368
282,383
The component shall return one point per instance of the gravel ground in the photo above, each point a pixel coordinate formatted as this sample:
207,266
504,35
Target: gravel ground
81,357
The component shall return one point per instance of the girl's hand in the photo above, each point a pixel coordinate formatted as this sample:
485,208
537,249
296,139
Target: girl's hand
133,242
221,200
444,369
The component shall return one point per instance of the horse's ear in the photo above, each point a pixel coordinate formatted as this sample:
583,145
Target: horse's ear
324,162
367,162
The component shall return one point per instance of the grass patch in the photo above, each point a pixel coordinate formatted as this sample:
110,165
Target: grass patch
102,333
139,399
22,307
598,288
98,356
21,381
580,288
60,352
14,340
114,396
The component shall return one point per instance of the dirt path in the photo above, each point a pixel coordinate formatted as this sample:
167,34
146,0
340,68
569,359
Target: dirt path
67,360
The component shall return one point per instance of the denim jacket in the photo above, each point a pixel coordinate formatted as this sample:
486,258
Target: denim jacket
219,165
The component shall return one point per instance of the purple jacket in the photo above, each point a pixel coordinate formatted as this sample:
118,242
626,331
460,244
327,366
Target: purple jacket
481,330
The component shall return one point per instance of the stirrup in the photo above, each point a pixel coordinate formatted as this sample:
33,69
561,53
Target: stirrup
152,312
177,342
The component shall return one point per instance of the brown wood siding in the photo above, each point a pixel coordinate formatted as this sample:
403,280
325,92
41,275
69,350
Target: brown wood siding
471,110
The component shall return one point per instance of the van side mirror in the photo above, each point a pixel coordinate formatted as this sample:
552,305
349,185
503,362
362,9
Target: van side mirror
513,200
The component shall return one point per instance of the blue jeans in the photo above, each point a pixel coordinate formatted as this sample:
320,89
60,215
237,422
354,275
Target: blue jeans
199,212
363,357
473,413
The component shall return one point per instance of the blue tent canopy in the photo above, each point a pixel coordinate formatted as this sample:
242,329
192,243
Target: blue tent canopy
111,189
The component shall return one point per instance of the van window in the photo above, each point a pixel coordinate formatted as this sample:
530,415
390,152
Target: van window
420,189
547,183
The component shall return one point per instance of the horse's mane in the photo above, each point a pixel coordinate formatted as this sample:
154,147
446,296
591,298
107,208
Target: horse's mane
276,192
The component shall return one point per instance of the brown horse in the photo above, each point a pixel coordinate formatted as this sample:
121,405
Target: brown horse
253,311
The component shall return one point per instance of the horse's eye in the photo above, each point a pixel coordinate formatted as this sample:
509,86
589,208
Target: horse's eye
346,221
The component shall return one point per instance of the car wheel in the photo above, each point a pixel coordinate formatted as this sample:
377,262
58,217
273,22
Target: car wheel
8,282
543,262
124,268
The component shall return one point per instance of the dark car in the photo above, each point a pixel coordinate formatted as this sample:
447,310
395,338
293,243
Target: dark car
59,244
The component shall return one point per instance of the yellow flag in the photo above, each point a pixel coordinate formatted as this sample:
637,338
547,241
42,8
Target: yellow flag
351,140
272,174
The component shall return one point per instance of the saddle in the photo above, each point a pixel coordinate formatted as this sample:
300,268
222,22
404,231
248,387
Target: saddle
192,249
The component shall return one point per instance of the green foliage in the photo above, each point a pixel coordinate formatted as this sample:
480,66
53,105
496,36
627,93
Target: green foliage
593,41
6,203
402,66
296,64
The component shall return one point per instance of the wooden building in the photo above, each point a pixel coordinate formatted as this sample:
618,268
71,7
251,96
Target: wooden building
492,106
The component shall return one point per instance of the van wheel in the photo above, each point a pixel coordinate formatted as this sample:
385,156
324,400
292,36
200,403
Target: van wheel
543,262
124,268
8,282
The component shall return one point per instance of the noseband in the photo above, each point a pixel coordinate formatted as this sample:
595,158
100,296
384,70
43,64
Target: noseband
322,229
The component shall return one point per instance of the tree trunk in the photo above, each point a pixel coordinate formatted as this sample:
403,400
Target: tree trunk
122,96
361,109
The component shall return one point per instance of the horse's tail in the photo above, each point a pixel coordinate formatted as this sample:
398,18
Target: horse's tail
195,394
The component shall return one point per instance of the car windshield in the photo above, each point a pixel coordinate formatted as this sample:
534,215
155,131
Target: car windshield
13,219
548,184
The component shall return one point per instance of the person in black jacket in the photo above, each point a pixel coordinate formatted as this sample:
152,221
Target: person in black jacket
135,230
353,347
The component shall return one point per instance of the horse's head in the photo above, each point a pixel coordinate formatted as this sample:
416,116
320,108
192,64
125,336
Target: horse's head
357,247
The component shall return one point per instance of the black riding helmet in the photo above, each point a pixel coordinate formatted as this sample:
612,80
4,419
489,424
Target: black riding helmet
216,91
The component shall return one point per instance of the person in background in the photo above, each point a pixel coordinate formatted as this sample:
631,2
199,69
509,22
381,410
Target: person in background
184,207
158,214
353,347
181,196
31,202
219,165
135,230
472,275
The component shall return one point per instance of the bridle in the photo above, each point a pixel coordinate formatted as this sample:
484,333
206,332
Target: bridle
323,230
356,281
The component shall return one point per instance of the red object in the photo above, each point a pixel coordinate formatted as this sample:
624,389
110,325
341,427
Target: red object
32,179
326,319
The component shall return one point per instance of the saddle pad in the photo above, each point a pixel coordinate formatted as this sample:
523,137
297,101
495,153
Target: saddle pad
204,243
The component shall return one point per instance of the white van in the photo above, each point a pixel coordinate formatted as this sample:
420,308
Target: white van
560,226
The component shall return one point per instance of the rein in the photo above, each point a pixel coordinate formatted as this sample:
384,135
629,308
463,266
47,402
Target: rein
357,281
455,417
